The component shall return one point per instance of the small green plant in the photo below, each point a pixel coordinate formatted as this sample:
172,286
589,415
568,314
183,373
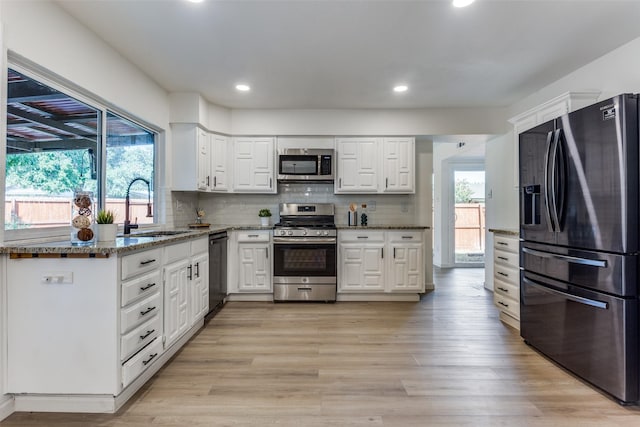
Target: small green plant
105,217
264,213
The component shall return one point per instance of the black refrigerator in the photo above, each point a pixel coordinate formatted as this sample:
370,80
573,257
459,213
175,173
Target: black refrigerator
579,208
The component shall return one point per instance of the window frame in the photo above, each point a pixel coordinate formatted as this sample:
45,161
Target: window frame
104,107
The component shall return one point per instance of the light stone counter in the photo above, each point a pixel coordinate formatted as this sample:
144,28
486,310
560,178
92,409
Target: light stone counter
505,232
383,227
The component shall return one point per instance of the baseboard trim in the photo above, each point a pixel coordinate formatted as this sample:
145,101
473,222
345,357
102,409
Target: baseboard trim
7,407
250,297
379,297
99,403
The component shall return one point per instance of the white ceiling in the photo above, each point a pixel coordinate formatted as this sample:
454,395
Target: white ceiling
349,54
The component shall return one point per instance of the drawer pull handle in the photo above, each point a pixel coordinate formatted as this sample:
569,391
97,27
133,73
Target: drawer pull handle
149,261
503,274
148,310
305,289
503,258
147,334
502,243
150,285
363,237
253,235
503,289
151,357
407,237
503,304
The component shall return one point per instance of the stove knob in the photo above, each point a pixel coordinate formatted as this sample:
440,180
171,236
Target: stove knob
304,232
282,232
318,233
290,233
326,233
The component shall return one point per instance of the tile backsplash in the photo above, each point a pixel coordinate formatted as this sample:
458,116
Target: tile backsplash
242,209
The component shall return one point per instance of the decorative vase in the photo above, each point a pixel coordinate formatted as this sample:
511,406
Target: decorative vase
82,207
264,220
107,232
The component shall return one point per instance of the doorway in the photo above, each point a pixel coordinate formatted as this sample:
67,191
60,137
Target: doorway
469,215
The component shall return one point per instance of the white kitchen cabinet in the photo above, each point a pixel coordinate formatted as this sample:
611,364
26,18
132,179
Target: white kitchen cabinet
506,278
186,287
357,165
254,262
376,261
398,165
219,163
253,165
375,165
405,261
542,113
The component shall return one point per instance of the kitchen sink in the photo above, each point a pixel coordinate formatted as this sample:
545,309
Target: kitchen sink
159,233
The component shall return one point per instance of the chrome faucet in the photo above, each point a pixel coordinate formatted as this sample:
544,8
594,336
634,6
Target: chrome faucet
127,222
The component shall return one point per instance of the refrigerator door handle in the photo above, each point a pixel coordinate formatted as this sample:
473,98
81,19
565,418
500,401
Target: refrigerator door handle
572,259
574,298
558,177
547,188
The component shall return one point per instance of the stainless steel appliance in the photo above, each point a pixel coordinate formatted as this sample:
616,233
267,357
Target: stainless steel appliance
305,164
304,259
217,271
579,218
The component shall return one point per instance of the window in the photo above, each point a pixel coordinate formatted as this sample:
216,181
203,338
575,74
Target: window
54,147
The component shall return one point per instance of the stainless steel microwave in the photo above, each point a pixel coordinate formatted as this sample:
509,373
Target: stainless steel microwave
305,164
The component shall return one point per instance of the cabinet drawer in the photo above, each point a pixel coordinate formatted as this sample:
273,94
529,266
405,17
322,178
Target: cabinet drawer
405,236
508,259
140,287
363,236
140,262
176,252
509,244
507,305
140,336
137,313
507,289
254,236
140,362
506,274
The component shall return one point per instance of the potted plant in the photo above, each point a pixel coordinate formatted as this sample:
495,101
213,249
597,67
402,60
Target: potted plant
106,229
264,215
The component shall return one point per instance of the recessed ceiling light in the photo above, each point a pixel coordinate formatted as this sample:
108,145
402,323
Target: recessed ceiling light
401,88
462,3
243,88
195,1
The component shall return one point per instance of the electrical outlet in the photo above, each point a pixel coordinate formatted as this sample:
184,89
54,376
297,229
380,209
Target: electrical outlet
404,207
179,206
64,277
371,206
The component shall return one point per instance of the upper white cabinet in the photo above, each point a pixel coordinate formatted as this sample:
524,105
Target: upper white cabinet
253,165
375,165
398,160
551,109
357,165
200,159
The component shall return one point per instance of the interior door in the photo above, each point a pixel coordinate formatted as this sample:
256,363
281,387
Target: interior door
600,143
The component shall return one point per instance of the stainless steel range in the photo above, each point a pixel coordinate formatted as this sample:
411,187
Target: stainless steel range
304,246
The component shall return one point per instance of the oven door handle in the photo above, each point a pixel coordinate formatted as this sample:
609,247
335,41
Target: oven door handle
304,240
570,297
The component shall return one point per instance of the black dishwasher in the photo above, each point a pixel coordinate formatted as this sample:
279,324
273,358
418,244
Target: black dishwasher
217,271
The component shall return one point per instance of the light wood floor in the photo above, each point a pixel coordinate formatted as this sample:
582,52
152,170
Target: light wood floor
446,360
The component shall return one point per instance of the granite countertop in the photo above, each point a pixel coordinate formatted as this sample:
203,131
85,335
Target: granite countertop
505,231
136,241
143,240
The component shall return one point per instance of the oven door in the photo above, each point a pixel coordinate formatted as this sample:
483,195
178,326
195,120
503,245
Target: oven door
304,257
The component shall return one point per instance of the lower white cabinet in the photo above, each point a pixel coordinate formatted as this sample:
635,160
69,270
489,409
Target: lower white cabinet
186,287
82,330
254,261
506,278
379,261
